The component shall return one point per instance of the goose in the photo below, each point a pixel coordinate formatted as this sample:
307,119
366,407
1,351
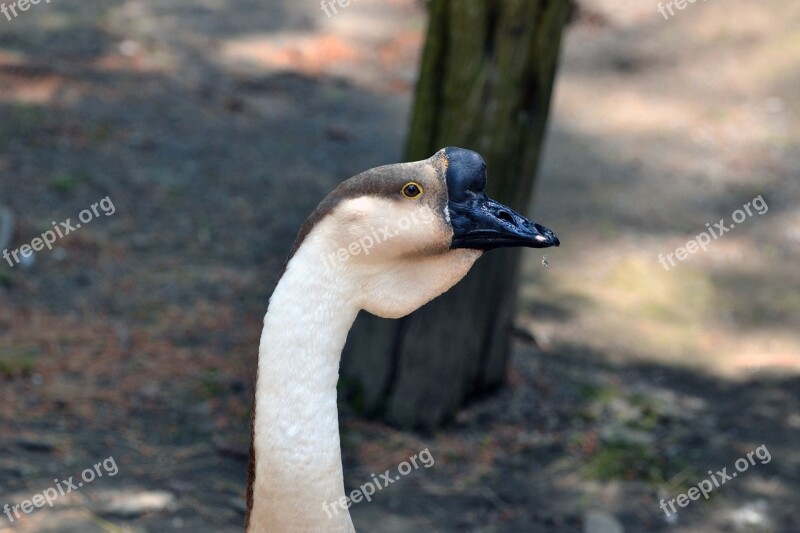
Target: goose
386,241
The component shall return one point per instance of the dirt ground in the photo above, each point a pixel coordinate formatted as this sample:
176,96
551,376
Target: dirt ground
214,129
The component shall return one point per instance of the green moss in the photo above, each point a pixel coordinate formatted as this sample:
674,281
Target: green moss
102,131
454,456
636,462
629,449
662,313
592,393
26,118
20,121
65,182
17,364
210,383
62,183
647,422
174,192
351,393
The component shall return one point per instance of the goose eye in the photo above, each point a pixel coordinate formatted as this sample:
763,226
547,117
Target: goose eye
412,190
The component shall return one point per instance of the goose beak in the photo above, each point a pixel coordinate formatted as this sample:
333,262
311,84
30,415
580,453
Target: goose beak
483,224
478,221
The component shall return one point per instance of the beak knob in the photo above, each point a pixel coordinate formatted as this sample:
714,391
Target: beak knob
480,222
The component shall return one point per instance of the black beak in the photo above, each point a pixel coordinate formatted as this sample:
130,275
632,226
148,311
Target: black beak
482,223
478,221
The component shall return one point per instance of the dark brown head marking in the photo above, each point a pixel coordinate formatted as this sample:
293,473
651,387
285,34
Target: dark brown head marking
385,182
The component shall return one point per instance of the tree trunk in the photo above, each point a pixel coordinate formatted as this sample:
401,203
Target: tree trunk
485,84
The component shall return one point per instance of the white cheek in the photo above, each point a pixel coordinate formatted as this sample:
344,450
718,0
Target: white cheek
394,230
414,283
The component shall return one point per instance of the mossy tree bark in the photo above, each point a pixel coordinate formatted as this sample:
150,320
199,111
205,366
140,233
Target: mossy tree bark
485,84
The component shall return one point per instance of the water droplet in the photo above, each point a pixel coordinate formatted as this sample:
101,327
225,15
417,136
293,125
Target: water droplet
544,261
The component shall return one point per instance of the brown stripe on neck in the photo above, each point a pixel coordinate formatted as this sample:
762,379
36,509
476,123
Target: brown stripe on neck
251,464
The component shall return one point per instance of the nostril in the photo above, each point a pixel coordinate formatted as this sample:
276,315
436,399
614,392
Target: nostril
505,215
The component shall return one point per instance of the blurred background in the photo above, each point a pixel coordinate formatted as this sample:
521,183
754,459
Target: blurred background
215,127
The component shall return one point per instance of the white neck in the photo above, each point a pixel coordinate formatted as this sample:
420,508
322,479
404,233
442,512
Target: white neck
298,483
298,466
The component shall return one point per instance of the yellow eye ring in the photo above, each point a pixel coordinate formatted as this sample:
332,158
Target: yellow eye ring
412,190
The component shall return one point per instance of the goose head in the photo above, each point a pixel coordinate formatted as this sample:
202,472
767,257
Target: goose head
400,235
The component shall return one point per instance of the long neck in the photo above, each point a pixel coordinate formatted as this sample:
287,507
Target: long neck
298,467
